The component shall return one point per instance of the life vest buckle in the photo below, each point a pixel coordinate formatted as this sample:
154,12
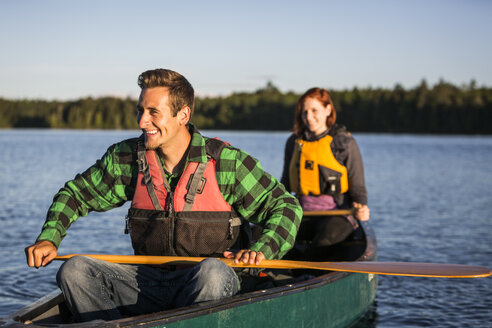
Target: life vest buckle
142,165
189,198
127,225
231,231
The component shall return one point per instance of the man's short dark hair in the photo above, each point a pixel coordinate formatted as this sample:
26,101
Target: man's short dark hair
181,92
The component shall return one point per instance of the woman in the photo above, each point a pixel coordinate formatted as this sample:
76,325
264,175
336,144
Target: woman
323,167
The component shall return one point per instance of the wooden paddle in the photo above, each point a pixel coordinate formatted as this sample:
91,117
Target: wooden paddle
387,268
329,212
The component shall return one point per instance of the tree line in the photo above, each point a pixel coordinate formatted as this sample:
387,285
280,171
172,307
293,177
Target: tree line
443,108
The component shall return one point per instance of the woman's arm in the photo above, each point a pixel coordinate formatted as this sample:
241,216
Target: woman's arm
289,149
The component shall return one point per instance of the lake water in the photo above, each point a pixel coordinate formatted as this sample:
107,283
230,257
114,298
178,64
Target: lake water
430,200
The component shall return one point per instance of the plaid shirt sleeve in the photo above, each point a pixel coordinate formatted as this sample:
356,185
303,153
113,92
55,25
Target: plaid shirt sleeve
105,185
261,199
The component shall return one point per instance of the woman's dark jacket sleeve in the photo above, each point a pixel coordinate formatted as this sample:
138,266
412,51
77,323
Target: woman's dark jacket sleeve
347,152
289,149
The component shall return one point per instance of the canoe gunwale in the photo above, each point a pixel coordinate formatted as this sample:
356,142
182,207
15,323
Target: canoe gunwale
35,309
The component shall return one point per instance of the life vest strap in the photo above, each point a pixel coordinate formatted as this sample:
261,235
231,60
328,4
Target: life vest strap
197,184
163,173
144,168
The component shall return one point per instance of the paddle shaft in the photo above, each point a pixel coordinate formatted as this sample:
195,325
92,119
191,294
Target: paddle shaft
329,212
414,269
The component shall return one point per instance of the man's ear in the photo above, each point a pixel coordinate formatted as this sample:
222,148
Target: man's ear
184,115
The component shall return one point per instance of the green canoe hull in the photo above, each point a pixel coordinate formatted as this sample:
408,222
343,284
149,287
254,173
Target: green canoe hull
333,304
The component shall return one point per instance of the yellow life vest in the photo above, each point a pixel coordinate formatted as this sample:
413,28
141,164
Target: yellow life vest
314,169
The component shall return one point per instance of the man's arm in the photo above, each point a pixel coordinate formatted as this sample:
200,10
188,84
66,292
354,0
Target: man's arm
105,185
263,200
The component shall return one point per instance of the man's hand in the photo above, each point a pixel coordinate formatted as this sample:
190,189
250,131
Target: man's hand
245,256
362,212
40,254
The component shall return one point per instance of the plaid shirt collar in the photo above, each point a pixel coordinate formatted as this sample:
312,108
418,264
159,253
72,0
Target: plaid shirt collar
197,152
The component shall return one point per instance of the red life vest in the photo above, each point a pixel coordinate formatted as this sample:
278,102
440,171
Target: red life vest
192,220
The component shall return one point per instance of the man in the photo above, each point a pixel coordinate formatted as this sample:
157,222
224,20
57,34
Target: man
188,195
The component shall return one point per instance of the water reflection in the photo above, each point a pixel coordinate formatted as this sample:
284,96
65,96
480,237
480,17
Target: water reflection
370,318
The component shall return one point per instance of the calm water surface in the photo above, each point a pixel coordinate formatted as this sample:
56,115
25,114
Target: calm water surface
430,199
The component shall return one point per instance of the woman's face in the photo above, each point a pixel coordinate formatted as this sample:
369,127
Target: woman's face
314,115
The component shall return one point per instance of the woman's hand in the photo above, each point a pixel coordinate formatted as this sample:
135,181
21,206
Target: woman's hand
362,212
245,256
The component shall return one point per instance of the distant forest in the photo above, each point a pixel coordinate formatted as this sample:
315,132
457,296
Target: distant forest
441,109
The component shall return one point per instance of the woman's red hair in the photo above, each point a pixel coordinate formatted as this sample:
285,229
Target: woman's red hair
324,98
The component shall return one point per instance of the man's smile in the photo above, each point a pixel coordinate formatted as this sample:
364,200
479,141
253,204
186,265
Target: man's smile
152,132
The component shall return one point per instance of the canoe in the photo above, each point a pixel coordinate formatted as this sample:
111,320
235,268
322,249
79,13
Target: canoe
309,298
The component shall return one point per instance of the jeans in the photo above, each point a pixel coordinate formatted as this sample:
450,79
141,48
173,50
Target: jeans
95,289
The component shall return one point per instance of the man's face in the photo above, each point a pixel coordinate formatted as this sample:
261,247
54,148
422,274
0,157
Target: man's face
155,118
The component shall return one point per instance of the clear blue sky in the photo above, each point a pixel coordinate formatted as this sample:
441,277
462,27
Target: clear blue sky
72,49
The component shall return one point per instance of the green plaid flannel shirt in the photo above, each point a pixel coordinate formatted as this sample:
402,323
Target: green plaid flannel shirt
110,182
